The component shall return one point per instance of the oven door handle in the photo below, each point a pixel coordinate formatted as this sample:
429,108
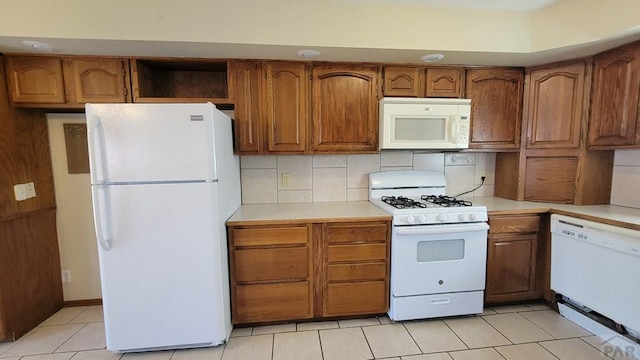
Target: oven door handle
441,229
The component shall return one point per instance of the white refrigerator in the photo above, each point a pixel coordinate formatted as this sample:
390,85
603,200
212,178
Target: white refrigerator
164,181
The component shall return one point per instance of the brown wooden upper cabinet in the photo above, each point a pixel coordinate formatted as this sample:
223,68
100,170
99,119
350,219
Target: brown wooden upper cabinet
556,98
615,96
35,80
184,80
66,82
345,108
496,108
408,81
444,82
403,81
97,80
284,105
246,113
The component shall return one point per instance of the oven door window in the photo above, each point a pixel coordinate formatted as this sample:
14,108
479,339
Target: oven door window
440,250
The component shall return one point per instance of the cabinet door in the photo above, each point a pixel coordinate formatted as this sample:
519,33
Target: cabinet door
97,80
403,81
445,83
554,110
284,104
511,266
345,108
247,127
35,80
614,101
551,179
496,107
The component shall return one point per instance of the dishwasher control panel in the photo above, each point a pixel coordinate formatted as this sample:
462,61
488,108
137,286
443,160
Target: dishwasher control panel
608,236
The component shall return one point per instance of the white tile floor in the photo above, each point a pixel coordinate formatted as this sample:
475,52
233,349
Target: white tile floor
519,332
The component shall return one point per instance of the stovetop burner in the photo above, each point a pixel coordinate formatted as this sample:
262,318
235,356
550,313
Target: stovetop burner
402,202
446,201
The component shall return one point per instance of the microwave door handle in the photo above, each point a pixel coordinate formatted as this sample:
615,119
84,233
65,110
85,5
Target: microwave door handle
455,124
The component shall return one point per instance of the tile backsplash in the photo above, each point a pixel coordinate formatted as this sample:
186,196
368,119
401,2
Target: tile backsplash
625,187
323,178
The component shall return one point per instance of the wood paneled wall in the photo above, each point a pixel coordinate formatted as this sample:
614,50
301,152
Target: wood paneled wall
30,284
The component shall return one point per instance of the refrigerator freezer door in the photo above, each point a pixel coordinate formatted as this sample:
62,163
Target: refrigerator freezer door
151,142
164,276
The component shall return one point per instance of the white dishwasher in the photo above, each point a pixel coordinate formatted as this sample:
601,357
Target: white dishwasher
596,267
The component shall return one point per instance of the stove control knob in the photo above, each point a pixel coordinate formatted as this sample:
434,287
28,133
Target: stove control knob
420,219
409,219
443,217
463,217
473,216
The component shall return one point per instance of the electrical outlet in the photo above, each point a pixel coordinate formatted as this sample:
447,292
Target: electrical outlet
483,174
286,179
30,189
20,192
66,276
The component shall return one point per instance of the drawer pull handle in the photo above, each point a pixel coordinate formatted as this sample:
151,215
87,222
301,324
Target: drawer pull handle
440,301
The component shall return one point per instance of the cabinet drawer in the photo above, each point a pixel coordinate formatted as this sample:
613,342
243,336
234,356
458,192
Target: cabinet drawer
271,264
350,272
356,298
345,233
512,224
270,236
362,252
272,302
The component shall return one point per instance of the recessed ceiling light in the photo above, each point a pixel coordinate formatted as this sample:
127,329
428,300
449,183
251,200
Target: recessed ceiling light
309,54
38,46
432,57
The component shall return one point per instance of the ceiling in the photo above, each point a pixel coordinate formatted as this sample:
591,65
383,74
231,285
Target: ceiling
512,5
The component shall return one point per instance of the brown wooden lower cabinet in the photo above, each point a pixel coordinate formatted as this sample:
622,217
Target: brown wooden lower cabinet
512,259
511,268
272,302
309,270
355,298
356,268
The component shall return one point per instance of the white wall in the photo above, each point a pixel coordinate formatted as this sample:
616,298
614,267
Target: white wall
328,23
625,189
322,178
76,236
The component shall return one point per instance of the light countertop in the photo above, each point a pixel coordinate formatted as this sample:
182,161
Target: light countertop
305,212
609,214
261,214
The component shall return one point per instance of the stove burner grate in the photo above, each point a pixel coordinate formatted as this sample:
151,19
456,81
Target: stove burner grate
446,201
402,202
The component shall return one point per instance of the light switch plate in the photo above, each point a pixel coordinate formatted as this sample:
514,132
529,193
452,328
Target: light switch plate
20,191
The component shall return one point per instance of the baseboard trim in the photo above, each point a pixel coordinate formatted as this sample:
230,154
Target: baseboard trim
88,302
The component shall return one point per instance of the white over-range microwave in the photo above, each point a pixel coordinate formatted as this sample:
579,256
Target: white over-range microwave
424,123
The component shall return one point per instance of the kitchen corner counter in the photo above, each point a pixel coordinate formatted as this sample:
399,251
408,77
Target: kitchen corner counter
607,214
264,214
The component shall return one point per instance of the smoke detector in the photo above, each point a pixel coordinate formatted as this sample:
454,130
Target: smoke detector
432,57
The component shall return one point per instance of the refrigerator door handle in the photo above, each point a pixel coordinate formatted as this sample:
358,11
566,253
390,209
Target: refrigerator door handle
101,223
95,150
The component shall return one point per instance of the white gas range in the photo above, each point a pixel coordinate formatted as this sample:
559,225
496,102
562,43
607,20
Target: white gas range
438,246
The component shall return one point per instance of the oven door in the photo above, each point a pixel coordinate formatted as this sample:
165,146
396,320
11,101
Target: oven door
434,259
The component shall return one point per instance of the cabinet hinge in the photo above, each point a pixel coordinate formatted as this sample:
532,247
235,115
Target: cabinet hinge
125,92
124,73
